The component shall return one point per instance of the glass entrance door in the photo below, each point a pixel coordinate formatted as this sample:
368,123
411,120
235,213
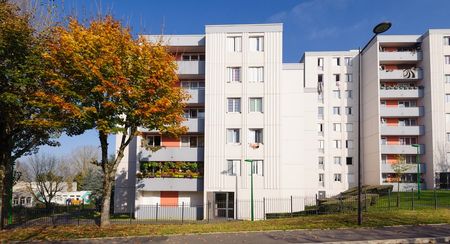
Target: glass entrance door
224,205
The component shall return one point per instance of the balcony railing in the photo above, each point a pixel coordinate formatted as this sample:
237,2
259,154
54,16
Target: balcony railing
386,130
195,124
170,184
197,95
387,168
398,112
191,67
401,74
173,154
402,149
401,92
410,56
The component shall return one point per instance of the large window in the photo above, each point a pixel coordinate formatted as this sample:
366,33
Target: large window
233,167
258,167
447,40
348,94
193,113
337,160
233,136
234,44
337,94
447,59
348,61
337,61
234,105
349,160
348,110
349,144
193,85
337,77
256,104
154,141
337,127
234,74
193,57
349,77
255,135
320,62
337,144
337,178
193,141
256,43
447,78
256,74
349,127
320,112
336,110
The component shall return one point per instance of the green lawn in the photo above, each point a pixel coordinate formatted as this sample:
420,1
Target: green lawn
374,218
427,200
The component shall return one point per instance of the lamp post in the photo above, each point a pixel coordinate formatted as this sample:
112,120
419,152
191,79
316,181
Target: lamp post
378,29
251,188
418,169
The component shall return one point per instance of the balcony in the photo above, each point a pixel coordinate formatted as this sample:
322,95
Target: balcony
398,112
195,125
387,168
401,74
173,154
402,130
401,92
170,184
402,149
191,67
197,95
401,56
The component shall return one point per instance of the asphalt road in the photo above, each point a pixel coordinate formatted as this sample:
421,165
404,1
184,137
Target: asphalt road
385,235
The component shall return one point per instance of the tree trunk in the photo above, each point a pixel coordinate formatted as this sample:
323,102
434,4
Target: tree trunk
6,191
106,201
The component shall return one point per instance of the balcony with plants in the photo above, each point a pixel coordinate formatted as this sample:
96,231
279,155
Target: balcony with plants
171,170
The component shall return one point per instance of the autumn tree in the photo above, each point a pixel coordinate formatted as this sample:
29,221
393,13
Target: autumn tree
103,78
21,69
400,167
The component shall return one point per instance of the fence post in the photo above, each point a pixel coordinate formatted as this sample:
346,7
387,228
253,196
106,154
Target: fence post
389,199
341,204
207,213
264,207
292,212
157,209
435,199
317,205
412,199
365,200
78,215
182,212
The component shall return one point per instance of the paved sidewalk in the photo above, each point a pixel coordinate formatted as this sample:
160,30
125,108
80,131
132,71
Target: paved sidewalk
385,235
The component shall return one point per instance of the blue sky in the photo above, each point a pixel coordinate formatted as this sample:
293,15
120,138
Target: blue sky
310,25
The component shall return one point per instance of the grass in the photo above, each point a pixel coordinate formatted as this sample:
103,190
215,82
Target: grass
426,200
332,221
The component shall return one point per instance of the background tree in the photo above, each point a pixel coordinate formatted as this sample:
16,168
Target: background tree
400,167
45,178
21,131
83,160
102,78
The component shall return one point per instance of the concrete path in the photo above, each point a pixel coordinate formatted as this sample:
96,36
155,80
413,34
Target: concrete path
385,235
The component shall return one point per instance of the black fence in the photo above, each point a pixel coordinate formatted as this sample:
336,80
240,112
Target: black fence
263,208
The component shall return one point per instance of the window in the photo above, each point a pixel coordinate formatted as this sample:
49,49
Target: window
337,144
320,62
154,141
448,137
234,105
349,160
256,43
320,112
258,167
348,61
383,140
447,118
233,136
320,128
192,141
22,201
348,110
349,144
193,57
349,127
447,98
407,140
234,74
337,61
382,103
256,104
337,160
16,201
28,200
256,74
384,159
193,85
321,178
234,44
350,178
337,127
321,144
447,59
447,40
337,94
407,122
337,77
336,110
447,78
321,163
233,167
255,136
349,77
406,104
348,94
337,178
193,113
320,78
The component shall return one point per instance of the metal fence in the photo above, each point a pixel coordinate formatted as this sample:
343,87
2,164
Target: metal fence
264,208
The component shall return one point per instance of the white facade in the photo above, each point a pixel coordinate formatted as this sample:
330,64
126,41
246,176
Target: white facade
296,123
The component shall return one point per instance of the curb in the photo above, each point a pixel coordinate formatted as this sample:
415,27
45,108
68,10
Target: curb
440,239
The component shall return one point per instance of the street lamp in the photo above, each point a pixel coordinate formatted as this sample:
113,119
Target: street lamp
251,188
418,169
378,29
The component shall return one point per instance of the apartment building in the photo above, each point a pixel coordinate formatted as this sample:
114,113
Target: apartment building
295,125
